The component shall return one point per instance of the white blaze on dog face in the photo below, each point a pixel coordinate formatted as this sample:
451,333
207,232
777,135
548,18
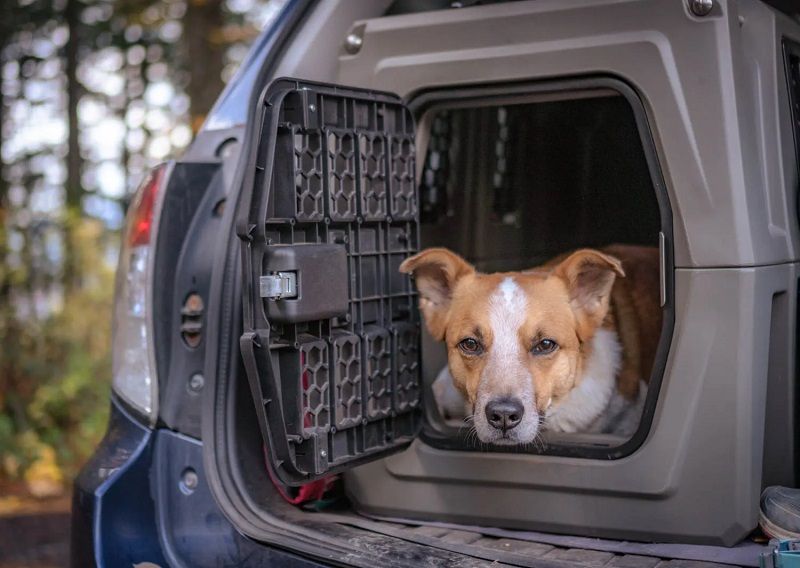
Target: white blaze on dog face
513,340
505,374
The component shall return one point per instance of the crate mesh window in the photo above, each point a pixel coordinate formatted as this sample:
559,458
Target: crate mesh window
435,172
504,202
331,335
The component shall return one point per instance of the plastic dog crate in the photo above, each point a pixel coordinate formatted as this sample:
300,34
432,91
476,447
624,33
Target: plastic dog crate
331,341
716,94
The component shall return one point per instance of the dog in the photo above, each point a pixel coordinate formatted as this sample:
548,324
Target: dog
566,347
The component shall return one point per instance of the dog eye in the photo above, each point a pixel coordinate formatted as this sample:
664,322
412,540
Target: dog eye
470,346
544,347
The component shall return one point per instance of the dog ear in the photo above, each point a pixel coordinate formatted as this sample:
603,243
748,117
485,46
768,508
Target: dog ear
436,272
589,276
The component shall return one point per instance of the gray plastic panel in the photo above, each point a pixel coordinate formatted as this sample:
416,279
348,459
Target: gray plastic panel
696,478
309,349
710,86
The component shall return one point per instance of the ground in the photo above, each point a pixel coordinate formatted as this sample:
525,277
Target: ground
34,533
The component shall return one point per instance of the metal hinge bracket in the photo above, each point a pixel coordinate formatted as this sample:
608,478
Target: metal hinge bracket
278,285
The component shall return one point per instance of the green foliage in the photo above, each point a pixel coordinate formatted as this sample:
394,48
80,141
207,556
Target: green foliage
57,370
123,79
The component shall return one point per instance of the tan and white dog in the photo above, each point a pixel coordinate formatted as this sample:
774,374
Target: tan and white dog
566,347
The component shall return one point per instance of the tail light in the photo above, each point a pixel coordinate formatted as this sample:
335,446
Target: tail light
133,358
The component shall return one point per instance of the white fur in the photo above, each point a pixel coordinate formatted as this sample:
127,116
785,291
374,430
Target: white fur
622,416
504,373
507,307
585,406
451,403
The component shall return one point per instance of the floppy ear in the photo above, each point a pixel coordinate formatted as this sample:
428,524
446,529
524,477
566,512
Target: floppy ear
436,271
589,275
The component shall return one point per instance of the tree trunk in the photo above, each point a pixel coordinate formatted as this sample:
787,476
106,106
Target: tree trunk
6,311
74,92
74,189
206,51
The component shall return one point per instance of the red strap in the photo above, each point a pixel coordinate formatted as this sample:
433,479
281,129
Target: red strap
311,491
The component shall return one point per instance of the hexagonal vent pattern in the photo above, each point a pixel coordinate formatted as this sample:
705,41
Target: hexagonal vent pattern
314,382
347,349
407,362
404,190
379,372
308,175
341,175
373,176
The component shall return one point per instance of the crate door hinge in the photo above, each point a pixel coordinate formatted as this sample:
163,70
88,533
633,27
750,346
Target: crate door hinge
278,285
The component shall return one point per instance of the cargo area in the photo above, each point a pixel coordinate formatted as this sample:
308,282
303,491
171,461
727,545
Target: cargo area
509,182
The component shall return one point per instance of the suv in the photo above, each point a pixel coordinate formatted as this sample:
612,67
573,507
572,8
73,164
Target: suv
266,343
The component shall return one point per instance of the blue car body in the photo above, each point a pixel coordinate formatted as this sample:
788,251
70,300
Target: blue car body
131,505
143,496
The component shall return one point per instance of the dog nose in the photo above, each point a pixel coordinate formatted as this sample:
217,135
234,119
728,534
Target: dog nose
504,413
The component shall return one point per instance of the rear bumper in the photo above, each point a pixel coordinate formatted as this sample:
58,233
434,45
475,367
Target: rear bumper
143,497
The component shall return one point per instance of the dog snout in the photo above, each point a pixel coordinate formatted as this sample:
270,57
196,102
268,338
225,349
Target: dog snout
504,413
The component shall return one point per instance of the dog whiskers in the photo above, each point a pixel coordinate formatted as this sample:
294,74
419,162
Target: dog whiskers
538,440
472,435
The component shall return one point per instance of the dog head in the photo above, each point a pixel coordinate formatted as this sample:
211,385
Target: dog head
517,341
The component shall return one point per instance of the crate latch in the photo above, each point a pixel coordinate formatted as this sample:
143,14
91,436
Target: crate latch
278,285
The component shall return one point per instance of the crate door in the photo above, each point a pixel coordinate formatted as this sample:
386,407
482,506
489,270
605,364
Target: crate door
331,332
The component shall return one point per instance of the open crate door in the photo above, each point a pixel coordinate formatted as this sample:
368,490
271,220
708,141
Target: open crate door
331,330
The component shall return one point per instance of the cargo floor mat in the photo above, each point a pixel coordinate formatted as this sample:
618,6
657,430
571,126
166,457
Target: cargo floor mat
534,549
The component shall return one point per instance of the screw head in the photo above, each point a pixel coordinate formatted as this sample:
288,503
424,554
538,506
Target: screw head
312,108
189,481
353,43
323,453
701,8
196,382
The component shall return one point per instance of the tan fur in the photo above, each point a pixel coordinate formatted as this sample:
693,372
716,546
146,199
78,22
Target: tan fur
570,298
436,270
636,314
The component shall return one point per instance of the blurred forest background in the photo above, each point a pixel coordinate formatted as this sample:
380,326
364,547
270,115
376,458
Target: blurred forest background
92,94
